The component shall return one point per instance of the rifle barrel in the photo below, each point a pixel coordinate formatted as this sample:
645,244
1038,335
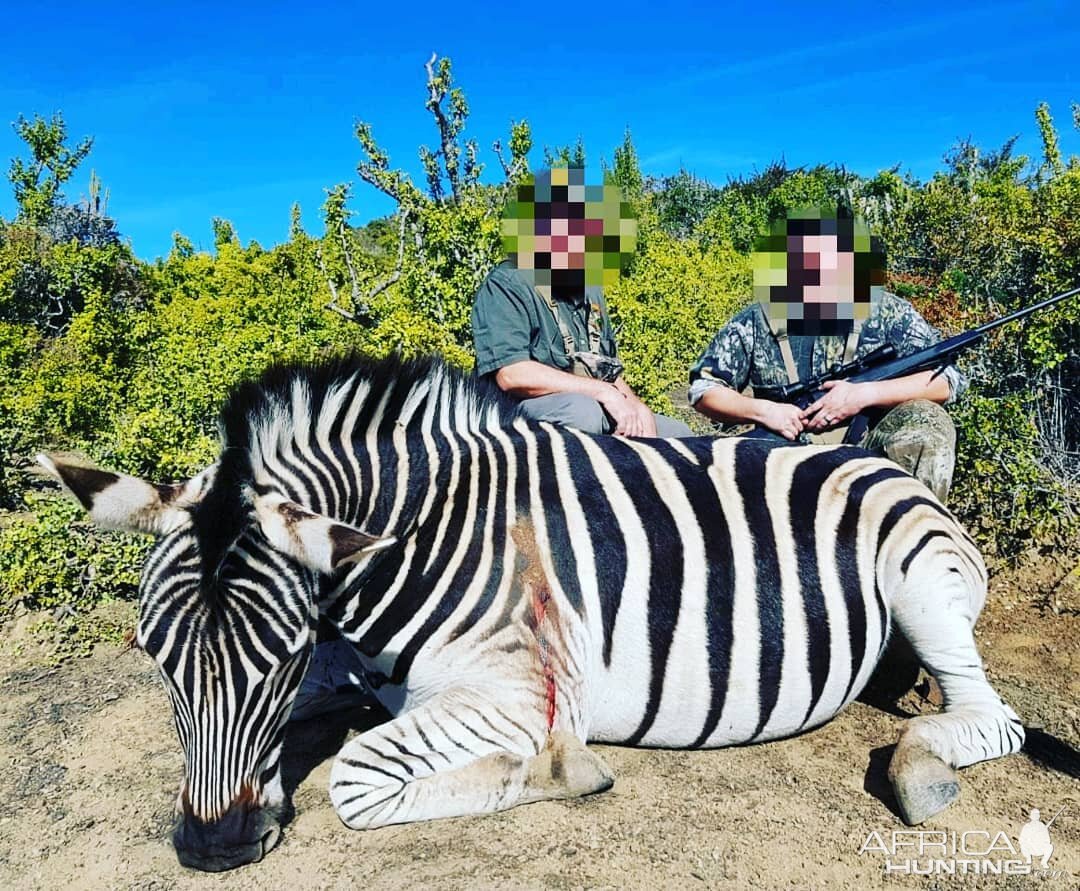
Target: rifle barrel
1026,311
942,352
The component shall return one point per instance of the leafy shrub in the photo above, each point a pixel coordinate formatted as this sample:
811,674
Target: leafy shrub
1009,500
666,313
52,557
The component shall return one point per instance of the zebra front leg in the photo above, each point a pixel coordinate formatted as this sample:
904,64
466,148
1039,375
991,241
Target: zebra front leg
564,768
457,756
975,724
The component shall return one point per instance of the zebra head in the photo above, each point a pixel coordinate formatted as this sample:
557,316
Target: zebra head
228,607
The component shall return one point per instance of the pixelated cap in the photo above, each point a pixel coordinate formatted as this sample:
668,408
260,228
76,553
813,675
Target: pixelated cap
556,228
797,283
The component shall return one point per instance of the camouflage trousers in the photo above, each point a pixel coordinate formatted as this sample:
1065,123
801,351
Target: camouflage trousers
920,437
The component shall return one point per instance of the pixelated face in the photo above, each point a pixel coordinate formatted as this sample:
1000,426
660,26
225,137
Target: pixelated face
564,234
835,268
817,271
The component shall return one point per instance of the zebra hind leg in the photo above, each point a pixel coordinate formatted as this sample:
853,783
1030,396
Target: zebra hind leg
454,757
975,724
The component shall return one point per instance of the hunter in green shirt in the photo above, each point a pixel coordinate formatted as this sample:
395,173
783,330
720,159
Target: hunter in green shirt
540,321
558,356
512,322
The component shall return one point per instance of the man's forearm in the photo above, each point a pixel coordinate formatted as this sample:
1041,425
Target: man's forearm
724,404
528,379
623,387
921,385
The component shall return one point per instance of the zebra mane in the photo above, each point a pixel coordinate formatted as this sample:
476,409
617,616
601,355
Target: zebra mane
267,408
408,385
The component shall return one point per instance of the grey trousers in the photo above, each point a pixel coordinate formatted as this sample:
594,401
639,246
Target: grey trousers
583,413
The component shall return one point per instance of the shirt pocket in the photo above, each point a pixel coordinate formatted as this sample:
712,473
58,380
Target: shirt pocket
550,349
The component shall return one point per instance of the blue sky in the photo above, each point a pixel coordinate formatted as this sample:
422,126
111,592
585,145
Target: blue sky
238,110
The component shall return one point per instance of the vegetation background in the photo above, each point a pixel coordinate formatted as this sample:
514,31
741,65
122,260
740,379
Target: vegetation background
127,361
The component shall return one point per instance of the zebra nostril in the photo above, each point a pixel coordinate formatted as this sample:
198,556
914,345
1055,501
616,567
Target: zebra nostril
270,838
219,846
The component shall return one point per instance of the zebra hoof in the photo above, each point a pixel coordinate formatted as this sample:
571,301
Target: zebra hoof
924,784
566,768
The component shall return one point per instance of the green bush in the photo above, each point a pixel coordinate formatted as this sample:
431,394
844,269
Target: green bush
670,308
1008,499
53,558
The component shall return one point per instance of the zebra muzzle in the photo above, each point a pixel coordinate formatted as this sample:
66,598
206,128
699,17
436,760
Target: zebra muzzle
238,838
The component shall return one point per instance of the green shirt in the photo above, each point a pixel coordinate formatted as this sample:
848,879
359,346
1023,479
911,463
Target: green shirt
511,322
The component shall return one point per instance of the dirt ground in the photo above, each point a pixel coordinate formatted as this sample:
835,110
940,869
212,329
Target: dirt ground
90,765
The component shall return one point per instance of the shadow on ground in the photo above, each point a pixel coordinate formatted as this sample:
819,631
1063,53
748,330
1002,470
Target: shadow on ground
309,743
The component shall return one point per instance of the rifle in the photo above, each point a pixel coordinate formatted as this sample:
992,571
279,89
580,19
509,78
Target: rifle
883,364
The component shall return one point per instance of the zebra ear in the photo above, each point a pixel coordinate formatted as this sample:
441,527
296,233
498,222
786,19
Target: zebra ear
123,502
320,543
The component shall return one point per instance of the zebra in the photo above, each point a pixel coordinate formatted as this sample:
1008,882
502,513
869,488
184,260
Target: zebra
516,589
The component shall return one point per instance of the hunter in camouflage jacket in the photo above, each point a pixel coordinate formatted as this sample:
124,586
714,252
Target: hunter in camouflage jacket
746,352
918,435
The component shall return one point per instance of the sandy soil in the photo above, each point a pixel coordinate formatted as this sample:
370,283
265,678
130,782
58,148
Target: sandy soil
89,768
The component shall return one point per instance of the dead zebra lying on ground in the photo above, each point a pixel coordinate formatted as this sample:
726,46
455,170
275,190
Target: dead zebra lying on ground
517,589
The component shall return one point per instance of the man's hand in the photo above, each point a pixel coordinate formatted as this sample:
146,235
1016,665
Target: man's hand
644,421
843,400
782,418
724,404
632,417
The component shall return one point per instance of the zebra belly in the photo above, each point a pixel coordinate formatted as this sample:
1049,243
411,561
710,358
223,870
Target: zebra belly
614,714
686,706
760,687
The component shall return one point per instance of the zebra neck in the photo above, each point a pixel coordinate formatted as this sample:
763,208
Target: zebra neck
429,498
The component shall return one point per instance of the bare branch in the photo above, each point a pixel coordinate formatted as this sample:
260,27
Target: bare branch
376,170
388,183
436,94
430,160
333,305
361,311
396,274
341,311
496,147
360,307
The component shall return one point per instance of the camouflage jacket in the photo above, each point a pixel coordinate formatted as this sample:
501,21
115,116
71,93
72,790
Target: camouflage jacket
746,352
